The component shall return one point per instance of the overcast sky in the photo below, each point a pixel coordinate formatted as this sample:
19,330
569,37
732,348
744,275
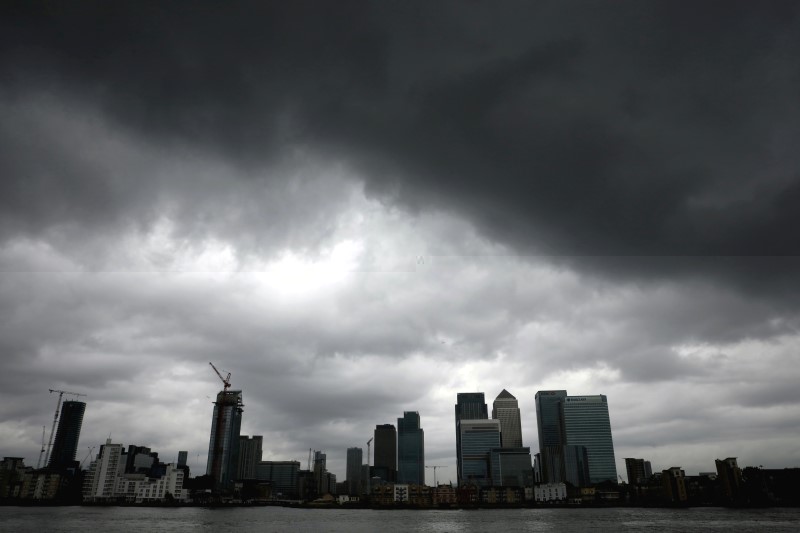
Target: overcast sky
361,208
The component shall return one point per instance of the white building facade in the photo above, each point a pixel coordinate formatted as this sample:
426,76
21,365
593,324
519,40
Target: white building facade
550,492
106,480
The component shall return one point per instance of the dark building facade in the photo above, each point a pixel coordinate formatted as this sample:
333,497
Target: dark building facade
551,442
576,465
68,433
355,458
410,449
385,459
469,406
478,439
637,473
284,476
249,456
511,467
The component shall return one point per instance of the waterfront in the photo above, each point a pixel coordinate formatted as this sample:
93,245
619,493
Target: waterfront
279,519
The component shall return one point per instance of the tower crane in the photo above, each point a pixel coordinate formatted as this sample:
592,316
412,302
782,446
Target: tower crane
226,382
434,473
217,452
41,452
61,394
91,449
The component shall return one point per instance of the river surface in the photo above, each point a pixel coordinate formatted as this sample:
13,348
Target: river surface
197,520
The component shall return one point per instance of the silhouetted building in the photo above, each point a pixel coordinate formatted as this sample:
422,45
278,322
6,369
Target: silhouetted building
552,464
65,446
322,478
637,471
12,470
364,488
410,449
478,438
575,465
551,440
469,406
284,476
506,409
249,456
729,477
385,459
511,467
355,458
223,447
183,456
674,482
140,460
586,423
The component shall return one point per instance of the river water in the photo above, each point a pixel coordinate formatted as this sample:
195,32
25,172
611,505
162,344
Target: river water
196,520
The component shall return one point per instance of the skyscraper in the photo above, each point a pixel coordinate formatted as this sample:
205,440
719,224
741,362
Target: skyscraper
354,460
548,417
385,459
478,438
249,456
506,409
321,480
586,423
101,477
67,435
469,406
410,449
551,443
223,446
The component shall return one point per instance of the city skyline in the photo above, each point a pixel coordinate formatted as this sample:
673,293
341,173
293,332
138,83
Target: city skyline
583,441
418,200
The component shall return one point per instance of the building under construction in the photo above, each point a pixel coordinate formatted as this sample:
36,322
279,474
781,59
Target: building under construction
65,447
223,446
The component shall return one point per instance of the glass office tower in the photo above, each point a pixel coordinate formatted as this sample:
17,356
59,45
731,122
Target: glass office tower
469,406
410,449
586,423
478,439
551,443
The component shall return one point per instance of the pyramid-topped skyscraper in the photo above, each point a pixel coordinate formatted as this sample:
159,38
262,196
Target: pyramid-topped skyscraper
506,409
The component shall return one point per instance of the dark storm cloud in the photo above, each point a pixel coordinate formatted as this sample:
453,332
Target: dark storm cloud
574,128
638,139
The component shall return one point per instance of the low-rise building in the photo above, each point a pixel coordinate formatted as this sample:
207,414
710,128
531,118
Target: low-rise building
502,495
12,471
444,495
550,492
41,485
420,495
383,495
